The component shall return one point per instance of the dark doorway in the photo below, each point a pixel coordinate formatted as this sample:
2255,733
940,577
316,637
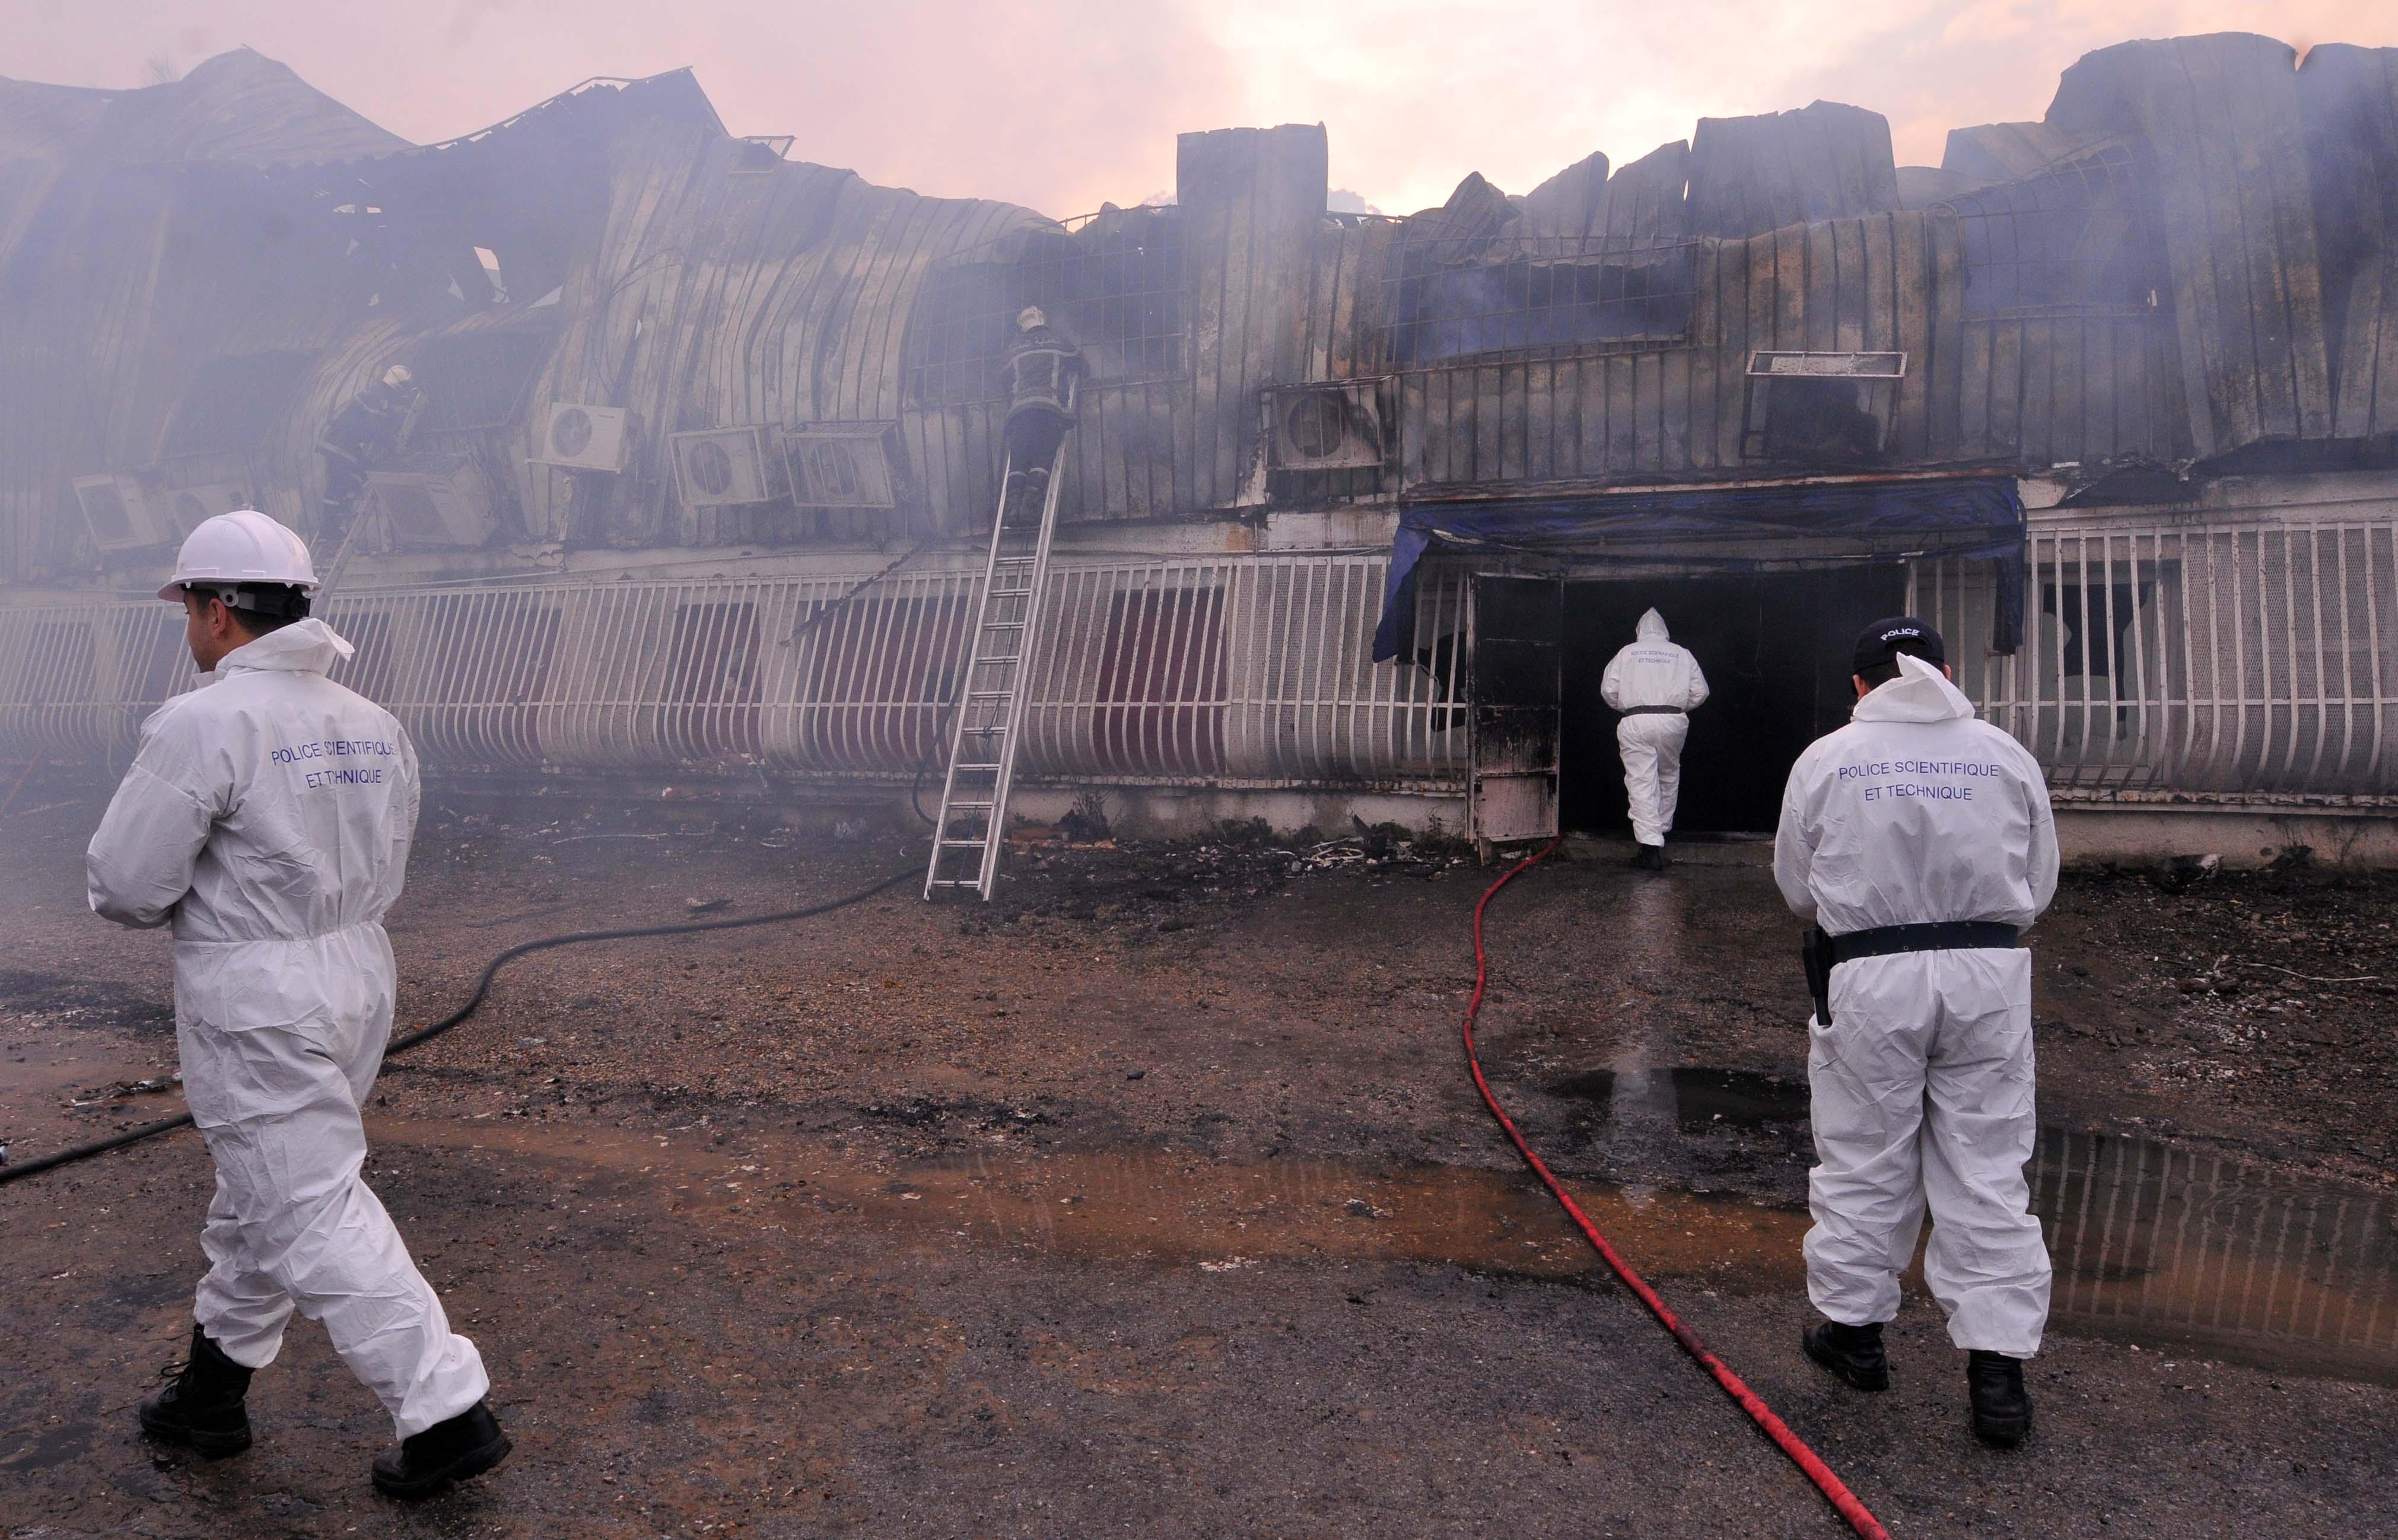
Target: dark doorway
1776,650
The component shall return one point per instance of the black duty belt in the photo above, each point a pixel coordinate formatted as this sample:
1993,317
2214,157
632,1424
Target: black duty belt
1652,711
1948,936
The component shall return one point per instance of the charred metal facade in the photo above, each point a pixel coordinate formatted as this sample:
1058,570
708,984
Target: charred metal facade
701,437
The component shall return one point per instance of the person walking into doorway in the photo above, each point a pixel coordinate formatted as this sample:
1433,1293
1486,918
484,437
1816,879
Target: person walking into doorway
1655,685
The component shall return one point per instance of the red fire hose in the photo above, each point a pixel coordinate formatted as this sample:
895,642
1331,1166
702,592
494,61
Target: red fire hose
1806,1459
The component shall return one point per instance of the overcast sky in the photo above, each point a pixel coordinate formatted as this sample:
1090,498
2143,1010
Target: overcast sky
1063,105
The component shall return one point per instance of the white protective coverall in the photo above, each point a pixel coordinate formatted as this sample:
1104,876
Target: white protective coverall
268,816
1917,812
1653,674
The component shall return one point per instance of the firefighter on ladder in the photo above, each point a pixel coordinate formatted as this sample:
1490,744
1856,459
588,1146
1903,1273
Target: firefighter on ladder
376,425
1042,368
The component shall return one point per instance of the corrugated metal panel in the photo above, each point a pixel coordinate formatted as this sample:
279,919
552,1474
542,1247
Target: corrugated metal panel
2220,116
1749,175
2349,99
1628,411
240,107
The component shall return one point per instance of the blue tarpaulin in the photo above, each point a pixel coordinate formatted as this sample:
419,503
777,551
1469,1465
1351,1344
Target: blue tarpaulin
1978,519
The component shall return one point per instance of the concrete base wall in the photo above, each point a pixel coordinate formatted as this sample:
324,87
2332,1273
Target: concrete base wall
2242,836
1174,812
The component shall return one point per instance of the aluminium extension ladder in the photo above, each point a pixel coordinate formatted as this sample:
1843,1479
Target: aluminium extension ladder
353,540
988,709
366,509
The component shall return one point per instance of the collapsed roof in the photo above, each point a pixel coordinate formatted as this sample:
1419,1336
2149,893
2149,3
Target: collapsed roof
2194,254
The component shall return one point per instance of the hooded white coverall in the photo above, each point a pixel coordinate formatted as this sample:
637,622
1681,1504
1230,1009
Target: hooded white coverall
268,816
1919,813
1657,681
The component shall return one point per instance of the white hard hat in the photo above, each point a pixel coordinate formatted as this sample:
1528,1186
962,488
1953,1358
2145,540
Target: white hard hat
398,375
246,547
1031,317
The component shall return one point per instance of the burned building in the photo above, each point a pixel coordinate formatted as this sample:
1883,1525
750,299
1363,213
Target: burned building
638,449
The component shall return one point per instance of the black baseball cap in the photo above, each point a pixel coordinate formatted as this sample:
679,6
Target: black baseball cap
1884,639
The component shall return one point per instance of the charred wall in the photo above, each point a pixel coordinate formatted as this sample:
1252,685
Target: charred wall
2218,119
2194,254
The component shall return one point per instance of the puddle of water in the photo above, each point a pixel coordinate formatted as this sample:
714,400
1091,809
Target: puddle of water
1695,1098
65,1444
85,1001
40,1074
1174,1210
2153,1244
1704,1098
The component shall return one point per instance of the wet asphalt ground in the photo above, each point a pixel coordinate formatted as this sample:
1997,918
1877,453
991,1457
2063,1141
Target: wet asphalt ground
1154,1200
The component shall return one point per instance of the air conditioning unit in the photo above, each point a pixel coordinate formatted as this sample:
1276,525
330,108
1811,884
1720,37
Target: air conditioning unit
586,437
1820,407
1331,427
447,505
726,467
124,515
841,464
186,507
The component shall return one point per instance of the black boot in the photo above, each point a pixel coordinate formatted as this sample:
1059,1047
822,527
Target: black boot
1852,1352
466,1446
1650,858
203,1407
2002,1409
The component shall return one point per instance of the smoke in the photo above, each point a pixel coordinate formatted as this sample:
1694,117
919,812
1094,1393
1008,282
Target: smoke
468,19
1065,105
1059,106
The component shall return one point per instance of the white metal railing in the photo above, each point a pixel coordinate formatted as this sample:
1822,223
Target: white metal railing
1237,669
75,681
2171,658
2160,658
1246,667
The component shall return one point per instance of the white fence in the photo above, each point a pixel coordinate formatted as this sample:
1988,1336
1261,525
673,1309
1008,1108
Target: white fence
2175,658
1232,671
2159,659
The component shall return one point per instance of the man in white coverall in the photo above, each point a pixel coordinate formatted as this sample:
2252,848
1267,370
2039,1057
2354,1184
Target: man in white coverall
1920,839
1655,685
268,817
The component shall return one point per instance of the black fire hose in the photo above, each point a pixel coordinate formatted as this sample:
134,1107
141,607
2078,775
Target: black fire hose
483,985
474,1001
